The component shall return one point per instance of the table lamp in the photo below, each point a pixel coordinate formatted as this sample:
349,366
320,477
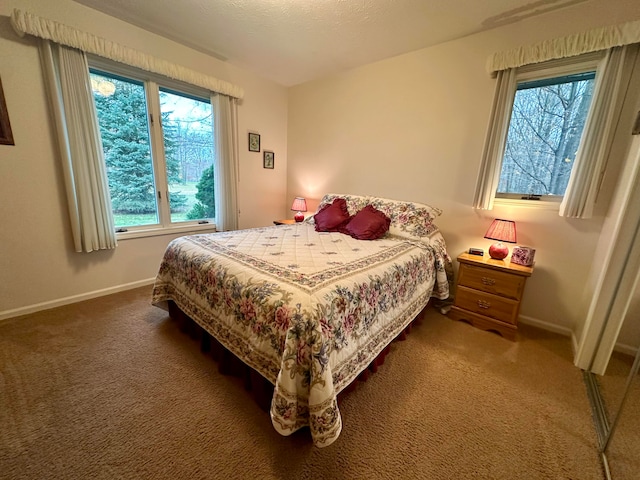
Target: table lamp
502,231
299,205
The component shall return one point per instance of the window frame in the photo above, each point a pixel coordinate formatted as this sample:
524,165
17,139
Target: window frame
152,84
541,71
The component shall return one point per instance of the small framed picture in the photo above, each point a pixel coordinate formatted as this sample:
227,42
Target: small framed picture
6,137
268,159
254,142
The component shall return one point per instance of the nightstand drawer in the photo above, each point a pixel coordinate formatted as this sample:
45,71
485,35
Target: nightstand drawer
503,309
491,281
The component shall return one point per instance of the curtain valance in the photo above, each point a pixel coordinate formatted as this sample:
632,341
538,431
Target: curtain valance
27,23
590,41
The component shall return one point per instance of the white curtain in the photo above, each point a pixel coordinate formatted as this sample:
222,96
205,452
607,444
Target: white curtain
595,40
226,161
80,145
586,176
489,176
584,183
27,23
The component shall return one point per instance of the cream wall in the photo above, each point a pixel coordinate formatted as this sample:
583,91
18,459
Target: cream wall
413,127
38,267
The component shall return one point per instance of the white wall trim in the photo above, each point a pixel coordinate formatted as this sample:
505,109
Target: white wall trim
73,299
616,280
551,327
626,349
16,312
567,332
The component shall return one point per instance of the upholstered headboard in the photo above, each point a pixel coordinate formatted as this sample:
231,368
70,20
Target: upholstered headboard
408,219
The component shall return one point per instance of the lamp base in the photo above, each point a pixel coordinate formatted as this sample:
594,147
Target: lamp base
298,217
498,251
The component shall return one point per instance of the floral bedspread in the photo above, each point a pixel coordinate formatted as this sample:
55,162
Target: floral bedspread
307,310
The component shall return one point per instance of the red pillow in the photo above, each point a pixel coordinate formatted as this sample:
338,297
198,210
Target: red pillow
331,217
368,224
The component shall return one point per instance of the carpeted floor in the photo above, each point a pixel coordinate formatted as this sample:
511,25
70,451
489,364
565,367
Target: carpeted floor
111,389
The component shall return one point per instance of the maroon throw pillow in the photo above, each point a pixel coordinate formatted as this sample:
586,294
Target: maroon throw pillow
331,217
368,224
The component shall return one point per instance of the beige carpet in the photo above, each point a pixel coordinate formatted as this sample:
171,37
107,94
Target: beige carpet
110,389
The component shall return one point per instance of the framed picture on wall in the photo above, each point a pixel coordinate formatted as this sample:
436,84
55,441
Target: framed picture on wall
6,136
268,159
254,142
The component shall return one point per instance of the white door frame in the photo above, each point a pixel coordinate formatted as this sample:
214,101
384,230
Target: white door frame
617,269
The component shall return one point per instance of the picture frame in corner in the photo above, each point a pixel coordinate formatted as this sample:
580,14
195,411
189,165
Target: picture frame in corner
268,159
6,136
254,142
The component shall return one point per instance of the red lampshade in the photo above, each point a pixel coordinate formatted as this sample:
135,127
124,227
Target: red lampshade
502,231
299,206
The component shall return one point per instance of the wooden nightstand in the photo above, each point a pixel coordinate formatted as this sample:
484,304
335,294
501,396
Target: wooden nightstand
288,221
488,293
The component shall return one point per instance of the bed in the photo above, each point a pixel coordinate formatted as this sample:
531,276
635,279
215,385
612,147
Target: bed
309,310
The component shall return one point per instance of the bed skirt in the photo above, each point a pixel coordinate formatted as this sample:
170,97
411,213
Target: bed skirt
259,387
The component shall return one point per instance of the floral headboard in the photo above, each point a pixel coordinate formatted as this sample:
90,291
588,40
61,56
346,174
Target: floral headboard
408,219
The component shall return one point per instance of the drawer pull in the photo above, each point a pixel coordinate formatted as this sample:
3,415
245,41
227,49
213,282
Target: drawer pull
484,304
488,281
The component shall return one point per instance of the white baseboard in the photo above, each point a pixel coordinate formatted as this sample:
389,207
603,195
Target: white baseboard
534,322
16,312
73,299
626,349
551,327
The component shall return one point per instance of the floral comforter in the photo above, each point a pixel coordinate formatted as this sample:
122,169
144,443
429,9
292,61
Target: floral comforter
307,310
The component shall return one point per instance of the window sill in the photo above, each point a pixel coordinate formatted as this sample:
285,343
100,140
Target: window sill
537,204
156,231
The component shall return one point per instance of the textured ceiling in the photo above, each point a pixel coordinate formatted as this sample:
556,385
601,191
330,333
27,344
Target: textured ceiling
294,41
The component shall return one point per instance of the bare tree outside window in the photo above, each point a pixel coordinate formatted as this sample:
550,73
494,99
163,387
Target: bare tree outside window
546,126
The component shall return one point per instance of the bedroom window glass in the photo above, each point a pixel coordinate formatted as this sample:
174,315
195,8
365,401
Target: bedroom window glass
546,125
158,144
121,105
187,129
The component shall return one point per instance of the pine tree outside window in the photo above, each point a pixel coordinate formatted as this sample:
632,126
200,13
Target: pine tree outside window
159,150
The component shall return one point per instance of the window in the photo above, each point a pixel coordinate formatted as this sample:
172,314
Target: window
158,145
546,125
547,112
551,129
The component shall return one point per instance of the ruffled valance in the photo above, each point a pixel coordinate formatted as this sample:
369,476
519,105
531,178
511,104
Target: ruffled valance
590,41
27,23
